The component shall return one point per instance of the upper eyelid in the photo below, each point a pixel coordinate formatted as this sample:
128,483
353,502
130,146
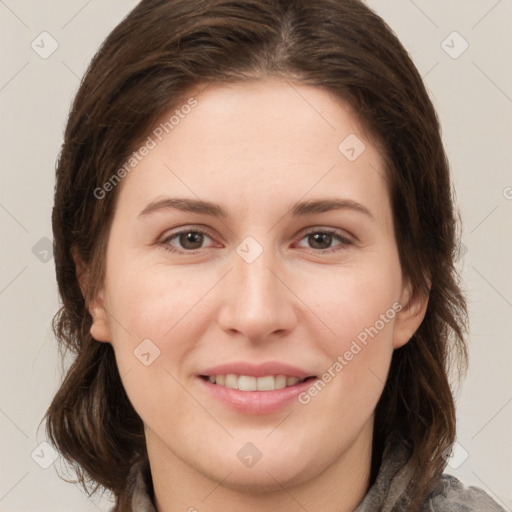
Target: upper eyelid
186,229
203,229
345,239
336,231
342,234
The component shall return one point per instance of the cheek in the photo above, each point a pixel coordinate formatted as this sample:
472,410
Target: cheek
358,357
360,353
146,308
359,306
352,301
153,301
157,322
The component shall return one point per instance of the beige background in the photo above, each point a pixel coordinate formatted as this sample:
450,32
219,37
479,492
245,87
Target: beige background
473,96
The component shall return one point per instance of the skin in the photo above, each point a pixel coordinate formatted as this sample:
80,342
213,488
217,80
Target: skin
255,149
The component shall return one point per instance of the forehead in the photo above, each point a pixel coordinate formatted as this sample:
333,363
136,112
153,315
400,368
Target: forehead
246,143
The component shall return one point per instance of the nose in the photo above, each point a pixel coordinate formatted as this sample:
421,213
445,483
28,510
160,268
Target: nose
257,302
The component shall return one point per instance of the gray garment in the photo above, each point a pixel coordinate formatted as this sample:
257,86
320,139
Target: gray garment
387,494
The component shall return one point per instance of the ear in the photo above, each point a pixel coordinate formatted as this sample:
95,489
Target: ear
100,329
409,318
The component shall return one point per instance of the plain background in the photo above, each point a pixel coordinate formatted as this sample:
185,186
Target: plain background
472,92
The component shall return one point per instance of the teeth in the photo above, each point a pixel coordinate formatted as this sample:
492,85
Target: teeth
249,383
291,381
231,381
280,381
266,383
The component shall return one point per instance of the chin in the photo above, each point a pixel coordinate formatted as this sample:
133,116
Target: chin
277,468
267,478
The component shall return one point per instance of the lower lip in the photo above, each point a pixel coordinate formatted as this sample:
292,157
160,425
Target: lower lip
256,402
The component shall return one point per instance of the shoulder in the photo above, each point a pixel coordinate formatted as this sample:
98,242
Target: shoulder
451,495
138,493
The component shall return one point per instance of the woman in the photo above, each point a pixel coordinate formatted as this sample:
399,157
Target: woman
254,243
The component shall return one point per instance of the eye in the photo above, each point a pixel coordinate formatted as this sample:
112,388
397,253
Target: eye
322,240
188,240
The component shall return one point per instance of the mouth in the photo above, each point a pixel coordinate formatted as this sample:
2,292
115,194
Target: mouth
255,388
252,383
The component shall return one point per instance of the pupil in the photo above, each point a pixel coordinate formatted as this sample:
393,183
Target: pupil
320,240
191,240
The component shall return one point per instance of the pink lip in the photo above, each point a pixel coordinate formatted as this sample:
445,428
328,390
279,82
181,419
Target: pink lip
257,370
255,402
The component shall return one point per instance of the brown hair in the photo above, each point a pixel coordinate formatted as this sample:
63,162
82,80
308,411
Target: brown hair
147,65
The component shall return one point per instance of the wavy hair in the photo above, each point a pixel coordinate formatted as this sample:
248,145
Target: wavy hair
147,65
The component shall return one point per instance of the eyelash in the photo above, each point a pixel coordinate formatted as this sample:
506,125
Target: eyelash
345,241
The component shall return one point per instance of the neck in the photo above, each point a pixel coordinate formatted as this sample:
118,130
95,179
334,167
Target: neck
340,487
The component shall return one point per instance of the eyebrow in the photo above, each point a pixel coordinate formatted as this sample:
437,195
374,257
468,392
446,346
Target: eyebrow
299,209
326,205
185,205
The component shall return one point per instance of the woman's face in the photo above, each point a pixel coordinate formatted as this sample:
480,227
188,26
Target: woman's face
253,246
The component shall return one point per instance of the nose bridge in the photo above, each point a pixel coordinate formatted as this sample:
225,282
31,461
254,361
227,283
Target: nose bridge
257,280
256,302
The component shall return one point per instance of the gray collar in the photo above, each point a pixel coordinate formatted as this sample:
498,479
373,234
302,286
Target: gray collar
387,494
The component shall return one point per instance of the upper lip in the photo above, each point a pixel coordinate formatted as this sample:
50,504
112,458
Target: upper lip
256,370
